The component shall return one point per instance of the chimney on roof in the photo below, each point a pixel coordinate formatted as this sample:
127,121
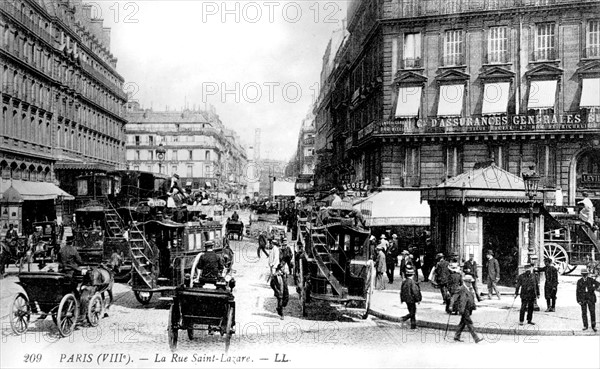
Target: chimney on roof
106,36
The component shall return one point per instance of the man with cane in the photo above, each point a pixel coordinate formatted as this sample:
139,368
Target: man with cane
466,304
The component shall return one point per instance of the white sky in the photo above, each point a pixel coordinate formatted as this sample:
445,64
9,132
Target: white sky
170,52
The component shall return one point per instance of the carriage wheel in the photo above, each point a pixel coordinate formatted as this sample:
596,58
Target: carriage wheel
369,291
20,314
559,257
190,334
229,329
95,309
172,327
67,314
143,297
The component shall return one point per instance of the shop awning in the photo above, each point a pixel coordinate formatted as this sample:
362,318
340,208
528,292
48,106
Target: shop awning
495,98
18,191
590,93
450,103
395,208
409,101
542,94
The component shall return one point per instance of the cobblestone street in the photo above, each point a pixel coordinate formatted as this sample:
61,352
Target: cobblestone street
326,337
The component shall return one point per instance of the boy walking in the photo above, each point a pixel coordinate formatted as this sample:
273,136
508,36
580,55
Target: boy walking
410,294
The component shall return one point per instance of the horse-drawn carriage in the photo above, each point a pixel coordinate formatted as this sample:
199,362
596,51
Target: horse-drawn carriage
163,251
204,304
61,296
333,262
234,227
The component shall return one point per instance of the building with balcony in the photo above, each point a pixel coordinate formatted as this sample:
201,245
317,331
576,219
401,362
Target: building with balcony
426,90
62,104
302,164
197,146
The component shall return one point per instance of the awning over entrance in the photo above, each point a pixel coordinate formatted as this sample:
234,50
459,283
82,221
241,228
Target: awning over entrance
395,208
18,191
488,183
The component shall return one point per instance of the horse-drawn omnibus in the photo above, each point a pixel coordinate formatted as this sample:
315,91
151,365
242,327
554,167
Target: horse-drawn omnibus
333,261
163,252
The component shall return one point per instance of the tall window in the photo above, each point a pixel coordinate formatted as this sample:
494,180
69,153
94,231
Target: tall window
453,160
412,50
498,45
499,153
150,155
151,140
190,171
137,154
137,140
191,155
413,167
546,164
207,155
174,155
453,48
593,39
173,169
545,42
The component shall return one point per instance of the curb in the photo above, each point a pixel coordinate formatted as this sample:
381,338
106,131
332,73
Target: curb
493,330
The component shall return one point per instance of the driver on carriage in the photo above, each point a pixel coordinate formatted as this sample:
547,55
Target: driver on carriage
69,260
235,216
210,265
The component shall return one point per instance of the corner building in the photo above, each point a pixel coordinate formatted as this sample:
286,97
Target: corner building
425,90
62,106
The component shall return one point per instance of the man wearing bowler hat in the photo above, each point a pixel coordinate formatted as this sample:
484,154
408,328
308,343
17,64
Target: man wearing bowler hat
493,275
411,295
466,305
470,268
586,297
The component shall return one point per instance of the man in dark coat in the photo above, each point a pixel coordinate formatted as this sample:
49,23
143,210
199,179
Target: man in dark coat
466,305
69,260
210,265
551,285
470,268
455,282
262,245
411,295
493,275
280,289
380,268
527,285
442,275
586,297
390,259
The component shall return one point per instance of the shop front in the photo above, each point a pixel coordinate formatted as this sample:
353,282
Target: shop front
486,209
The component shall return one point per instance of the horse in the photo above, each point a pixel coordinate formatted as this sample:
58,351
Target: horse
101,278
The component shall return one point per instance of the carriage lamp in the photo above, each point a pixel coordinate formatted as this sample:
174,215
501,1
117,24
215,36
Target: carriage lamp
531,181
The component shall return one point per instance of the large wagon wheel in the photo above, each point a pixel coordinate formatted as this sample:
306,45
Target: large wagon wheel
20,314
66,316
369,288
95,309
143,297
173,327
229,328
559,257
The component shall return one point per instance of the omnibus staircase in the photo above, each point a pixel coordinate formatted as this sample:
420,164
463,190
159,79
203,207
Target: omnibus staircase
592,236
141,262
325,263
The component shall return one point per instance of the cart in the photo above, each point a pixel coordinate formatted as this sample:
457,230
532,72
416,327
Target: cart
54,294
202,305
234,227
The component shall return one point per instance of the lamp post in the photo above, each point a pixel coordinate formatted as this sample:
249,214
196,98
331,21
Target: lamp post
532,181
160,154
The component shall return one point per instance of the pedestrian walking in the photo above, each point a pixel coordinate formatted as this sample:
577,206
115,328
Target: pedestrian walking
416,254
380,268
262,245
403,261
493,275
383,242
551,284
441,277
280,289
274,257
470,268
455,283
586,298
466,305
410,293
527,285
391,256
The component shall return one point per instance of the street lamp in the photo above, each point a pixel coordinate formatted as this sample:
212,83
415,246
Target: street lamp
160,154
531,181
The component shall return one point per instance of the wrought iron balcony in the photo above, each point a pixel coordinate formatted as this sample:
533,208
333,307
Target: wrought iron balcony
498,57
453,60
545,55
411,63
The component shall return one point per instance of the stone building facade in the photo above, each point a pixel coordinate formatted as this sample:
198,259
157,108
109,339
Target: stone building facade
62,98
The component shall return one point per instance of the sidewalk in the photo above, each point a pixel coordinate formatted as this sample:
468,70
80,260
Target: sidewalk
492,316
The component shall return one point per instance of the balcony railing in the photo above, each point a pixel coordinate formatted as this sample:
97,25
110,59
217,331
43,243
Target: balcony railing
592,52
22,18
411,63
418,8
453,60
545,55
